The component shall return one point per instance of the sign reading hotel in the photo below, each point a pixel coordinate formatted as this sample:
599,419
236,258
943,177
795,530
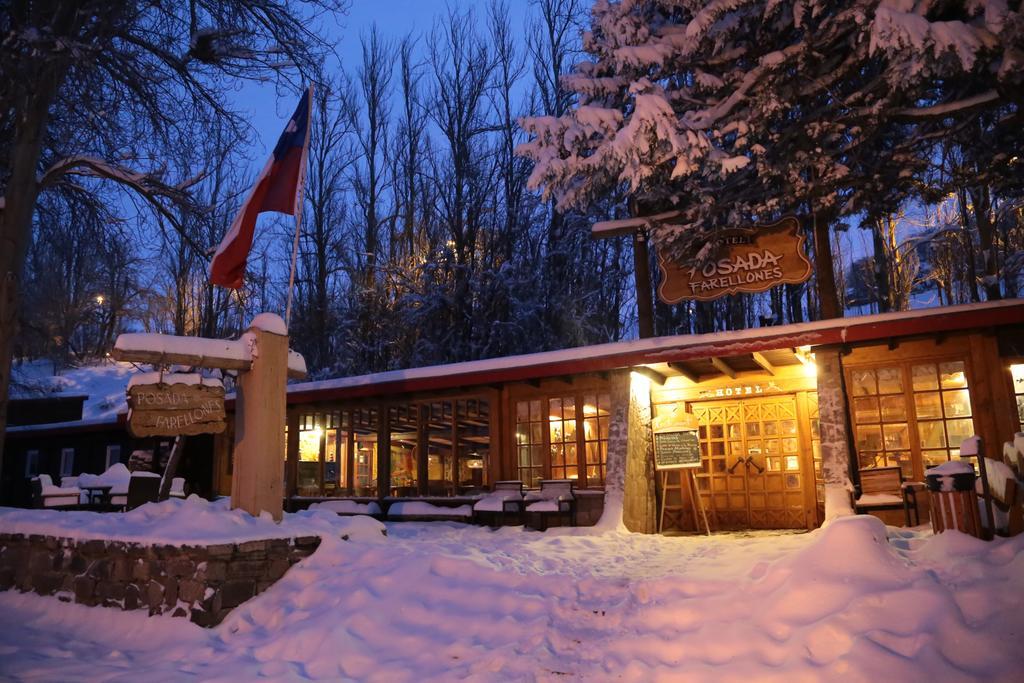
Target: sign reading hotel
747,260
175,404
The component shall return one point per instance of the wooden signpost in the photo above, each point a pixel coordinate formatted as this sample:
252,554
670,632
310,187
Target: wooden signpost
677,448
263,362
746,260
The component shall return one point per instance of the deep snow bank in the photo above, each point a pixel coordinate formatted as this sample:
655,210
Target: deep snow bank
440,602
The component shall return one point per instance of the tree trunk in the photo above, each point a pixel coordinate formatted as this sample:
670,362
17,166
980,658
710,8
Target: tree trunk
828,298
981,200
881,267
16,222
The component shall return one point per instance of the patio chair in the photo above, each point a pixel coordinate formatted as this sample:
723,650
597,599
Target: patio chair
178,487
46,495
883,488
143,487
555,499
505,498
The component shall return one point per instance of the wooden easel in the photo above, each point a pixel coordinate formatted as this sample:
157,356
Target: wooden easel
689,482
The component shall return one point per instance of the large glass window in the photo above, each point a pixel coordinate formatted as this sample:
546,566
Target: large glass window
564,436
530,426
943,407
473,439
404,423
311,436
597,418
903,412
364,429
880,417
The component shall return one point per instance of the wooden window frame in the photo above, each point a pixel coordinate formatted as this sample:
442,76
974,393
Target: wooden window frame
905,365
578,393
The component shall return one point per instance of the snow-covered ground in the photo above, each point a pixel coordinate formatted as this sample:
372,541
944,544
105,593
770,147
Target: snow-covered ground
443,601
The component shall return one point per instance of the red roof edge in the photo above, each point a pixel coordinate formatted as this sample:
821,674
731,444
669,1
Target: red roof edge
846,330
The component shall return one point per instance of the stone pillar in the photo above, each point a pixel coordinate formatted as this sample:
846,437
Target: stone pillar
833,425
630,480
260,421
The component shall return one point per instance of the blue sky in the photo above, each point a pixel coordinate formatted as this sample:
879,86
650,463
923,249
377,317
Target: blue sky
269,110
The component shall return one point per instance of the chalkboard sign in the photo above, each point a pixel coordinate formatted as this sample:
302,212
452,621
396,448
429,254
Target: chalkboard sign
674,450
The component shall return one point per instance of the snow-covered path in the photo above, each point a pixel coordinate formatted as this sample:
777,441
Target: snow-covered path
444,602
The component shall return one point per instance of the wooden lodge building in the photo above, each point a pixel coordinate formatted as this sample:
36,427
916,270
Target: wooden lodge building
782,414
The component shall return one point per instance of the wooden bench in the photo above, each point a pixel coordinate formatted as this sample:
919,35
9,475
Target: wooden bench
883,488
506,497
555,499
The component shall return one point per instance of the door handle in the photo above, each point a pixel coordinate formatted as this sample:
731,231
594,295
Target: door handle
750,461
736,464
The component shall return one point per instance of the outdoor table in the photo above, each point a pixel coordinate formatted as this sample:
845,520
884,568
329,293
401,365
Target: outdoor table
98,495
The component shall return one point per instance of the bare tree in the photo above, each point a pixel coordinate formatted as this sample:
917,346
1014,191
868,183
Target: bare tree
119,81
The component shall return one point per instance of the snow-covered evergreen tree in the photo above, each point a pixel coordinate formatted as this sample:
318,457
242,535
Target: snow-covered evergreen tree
740,110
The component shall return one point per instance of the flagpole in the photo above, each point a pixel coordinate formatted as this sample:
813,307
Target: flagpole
299,201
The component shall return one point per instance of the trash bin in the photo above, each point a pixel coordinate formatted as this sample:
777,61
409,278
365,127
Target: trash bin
952,497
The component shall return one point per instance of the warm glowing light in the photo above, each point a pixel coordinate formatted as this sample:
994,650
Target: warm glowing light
589,409
811,369
99,299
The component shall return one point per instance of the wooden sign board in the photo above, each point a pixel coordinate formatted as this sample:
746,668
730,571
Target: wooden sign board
747,260
676,449
172,408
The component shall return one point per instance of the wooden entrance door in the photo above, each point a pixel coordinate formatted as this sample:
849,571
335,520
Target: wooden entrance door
753,474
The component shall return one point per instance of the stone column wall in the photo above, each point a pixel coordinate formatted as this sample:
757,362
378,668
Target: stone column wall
630,478
203,583
835,449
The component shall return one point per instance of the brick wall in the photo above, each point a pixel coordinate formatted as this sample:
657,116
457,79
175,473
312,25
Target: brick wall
202,583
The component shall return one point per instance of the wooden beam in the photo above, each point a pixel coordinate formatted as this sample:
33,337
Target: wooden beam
642,277
194,360
685,372
763,362
723,367
650,374
196,352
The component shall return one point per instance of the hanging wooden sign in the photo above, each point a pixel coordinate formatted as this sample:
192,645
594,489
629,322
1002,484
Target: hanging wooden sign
748,260
175,404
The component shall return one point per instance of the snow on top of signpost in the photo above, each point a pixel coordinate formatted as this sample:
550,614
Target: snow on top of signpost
187,378
172,344
269,322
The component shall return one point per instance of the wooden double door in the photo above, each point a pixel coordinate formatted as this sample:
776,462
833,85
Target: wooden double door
756,471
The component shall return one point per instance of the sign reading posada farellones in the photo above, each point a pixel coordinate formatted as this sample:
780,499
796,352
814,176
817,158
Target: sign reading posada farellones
746,260
174,404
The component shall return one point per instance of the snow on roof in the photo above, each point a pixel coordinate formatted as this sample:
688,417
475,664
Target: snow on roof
624,354
102,381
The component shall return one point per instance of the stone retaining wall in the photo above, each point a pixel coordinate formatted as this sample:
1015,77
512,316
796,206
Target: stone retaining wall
202,583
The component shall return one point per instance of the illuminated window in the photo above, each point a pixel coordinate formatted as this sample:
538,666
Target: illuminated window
563,437
596,423
910,411
530,426
942,405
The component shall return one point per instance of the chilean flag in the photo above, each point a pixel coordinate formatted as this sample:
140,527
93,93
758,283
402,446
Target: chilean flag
278,188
